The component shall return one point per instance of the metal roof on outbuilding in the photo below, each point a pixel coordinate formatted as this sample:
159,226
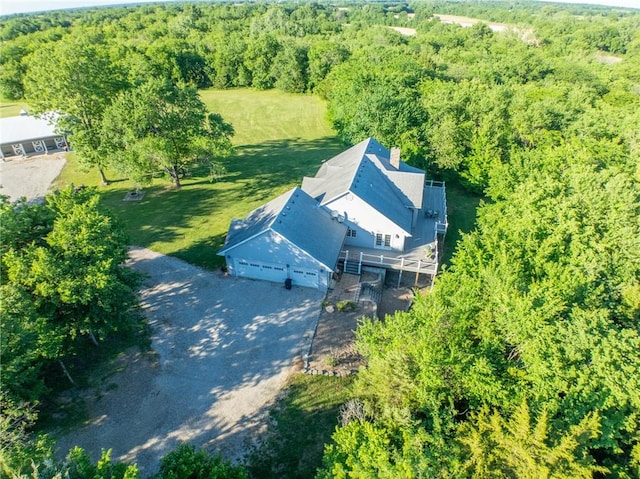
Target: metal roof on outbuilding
18,129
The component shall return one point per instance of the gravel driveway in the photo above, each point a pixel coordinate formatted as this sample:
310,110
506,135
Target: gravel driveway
225,347
29,177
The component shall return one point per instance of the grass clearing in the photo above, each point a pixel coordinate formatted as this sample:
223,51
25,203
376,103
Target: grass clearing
11,108
462,206
303,421
279,139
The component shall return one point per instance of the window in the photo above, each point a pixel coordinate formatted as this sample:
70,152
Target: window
383,241
351,232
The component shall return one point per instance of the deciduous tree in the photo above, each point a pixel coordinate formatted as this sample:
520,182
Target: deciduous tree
75,79
160,126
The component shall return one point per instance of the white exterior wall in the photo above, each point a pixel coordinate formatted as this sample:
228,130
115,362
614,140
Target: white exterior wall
271,248
366,221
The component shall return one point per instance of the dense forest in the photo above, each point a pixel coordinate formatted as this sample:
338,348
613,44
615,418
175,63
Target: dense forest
524,359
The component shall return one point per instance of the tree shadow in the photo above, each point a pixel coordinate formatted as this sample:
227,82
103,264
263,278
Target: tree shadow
262,168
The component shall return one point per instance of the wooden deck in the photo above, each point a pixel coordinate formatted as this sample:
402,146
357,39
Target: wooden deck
421,252
424,262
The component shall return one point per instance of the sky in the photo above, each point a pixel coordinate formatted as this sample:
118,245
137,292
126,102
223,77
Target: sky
22,6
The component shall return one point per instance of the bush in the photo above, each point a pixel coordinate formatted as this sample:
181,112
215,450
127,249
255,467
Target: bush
188,463
346,305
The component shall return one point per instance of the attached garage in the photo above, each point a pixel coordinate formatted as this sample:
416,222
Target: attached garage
258,270
288,238
277,273
304,277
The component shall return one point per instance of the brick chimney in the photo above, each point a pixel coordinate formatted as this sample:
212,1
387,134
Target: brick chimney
395,157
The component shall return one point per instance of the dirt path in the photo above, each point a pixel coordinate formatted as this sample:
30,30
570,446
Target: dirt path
223,348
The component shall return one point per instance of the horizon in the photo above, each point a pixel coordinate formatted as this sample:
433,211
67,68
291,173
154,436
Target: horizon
11,7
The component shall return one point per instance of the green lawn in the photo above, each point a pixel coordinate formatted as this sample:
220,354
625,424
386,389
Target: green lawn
462,206
303,421
279,139
11,108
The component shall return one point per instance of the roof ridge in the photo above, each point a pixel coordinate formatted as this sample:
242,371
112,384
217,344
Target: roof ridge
394,188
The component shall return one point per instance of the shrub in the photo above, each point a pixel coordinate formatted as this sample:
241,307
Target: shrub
186,462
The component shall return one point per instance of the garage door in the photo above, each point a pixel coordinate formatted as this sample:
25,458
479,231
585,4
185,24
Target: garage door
259,270
304,277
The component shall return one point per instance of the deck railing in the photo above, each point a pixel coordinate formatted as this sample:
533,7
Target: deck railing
441,227
427,265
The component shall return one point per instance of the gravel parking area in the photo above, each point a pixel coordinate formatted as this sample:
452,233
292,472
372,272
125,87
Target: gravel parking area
223,346
29,177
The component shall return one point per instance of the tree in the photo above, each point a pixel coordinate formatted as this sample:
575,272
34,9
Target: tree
78,465
162,126
18,448
323,57
186,461
374,94
75,79
67,283
516,448
289,68
258,57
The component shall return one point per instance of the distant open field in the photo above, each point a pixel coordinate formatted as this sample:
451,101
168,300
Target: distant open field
526,34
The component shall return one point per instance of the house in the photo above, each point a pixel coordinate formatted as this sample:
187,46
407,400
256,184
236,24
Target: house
364,207
26,135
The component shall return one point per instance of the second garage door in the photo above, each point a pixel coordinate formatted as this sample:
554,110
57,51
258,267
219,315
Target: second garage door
304,277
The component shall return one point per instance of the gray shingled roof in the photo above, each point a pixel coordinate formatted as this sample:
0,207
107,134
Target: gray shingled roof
297,217
365,170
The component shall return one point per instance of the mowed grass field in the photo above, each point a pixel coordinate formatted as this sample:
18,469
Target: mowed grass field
11,108
279,139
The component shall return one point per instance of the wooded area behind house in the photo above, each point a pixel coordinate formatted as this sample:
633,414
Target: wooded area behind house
523,361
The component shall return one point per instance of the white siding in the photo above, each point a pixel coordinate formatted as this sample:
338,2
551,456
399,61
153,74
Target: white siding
366,222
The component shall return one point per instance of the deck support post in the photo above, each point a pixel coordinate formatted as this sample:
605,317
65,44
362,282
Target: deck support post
401,268
418,272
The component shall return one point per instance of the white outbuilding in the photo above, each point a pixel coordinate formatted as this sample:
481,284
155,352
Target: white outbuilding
27,135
